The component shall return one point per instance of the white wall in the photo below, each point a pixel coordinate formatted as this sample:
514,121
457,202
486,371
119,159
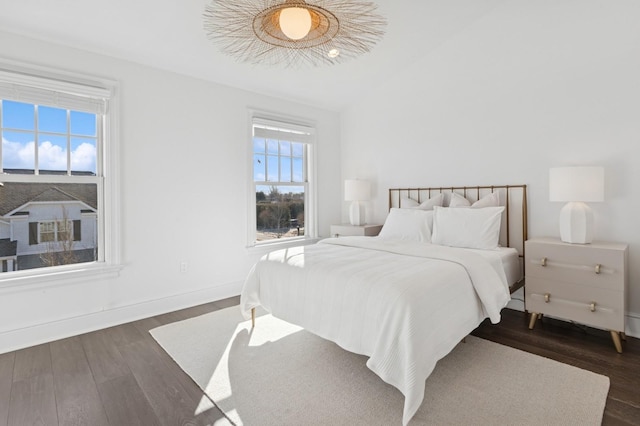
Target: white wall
184,162
532,85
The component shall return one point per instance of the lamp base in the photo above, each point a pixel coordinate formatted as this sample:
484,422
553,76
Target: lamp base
356,213
576,223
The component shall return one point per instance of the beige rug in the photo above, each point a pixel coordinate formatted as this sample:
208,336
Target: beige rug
279,374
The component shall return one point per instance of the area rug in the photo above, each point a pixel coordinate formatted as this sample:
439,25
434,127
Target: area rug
280,374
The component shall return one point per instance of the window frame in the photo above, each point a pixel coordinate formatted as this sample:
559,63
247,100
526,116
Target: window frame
107,176
295,124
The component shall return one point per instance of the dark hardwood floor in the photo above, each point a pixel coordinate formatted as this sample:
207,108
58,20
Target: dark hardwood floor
120,376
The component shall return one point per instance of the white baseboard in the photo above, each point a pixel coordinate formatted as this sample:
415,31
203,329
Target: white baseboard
633,325
42,333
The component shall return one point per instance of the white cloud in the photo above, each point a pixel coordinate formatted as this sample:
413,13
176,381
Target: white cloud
17,155
84,158
52,157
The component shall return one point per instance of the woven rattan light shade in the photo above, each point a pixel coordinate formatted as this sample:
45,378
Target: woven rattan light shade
249,30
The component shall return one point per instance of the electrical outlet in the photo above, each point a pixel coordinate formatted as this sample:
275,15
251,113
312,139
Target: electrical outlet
183,266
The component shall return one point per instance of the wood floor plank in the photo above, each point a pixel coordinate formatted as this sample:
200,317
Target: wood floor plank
228,302
31,362
6,380
125,403
174,397
33,402
146,324
621,413
77,399
124,334
103,356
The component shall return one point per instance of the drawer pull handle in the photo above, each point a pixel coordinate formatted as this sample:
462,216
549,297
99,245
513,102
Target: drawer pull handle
592,307
598,266
543,262
547,297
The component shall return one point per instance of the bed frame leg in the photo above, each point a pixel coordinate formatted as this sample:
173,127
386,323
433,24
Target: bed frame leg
253,317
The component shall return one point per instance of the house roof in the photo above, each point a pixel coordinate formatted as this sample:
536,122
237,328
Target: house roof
16,194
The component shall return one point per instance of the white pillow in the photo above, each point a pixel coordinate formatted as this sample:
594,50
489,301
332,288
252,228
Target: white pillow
490,200
458,200
408,203
471,228
407,224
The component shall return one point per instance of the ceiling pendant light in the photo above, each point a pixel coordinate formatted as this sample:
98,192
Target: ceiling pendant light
293,32
295,22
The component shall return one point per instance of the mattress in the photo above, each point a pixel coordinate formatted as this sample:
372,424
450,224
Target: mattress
510,261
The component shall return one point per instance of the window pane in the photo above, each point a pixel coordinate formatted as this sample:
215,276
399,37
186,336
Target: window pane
18,151
83,123
52,119
52,153
83,155
298,170
272,168
65,231
272,147
47,232
285,148
285,169
297,149
280,213
259,168
18,115
258,145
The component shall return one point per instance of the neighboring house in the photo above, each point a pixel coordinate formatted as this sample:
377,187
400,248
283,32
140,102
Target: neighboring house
45,224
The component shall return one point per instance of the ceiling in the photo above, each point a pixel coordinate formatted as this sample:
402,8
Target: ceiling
168,34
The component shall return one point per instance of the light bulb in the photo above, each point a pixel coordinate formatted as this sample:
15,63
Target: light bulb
295,22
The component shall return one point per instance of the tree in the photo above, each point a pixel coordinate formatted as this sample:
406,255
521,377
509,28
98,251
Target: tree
274,193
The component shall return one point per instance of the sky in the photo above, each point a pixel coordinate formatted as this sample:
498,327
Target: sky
53,132
278,161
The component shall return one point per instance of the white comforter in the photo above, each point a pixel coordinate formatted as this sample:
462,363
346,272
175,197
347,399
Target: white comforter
404,304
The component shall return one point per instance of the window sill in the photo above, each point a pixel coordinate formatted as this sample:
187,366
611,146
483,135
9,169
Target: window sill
277,245
61,275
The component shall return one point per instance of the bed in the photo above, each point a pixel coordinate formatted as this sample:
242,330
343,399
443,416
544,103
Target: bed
445,260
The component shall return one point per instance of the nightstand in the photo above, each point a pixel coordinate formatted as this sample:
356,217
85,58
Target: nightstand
585,283
347,229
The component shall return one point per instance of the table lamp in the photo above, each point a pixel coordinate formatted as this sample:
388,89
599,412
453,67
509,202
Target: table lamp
576,186
356,190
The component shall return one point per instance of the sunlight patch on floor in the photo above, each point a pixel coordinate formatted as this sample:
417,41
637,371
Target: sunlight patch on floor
263,333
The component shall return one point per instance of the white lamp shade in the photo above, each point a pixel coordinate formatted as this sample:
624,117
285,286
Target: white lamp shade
584,184
356,190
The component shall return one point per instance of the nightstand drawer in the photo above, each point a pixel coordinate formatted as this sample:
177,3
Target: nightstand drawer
590,265
568,300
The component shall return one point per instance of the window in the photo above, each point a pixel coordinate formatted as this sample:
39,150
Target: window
60,231
282,191
56,206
